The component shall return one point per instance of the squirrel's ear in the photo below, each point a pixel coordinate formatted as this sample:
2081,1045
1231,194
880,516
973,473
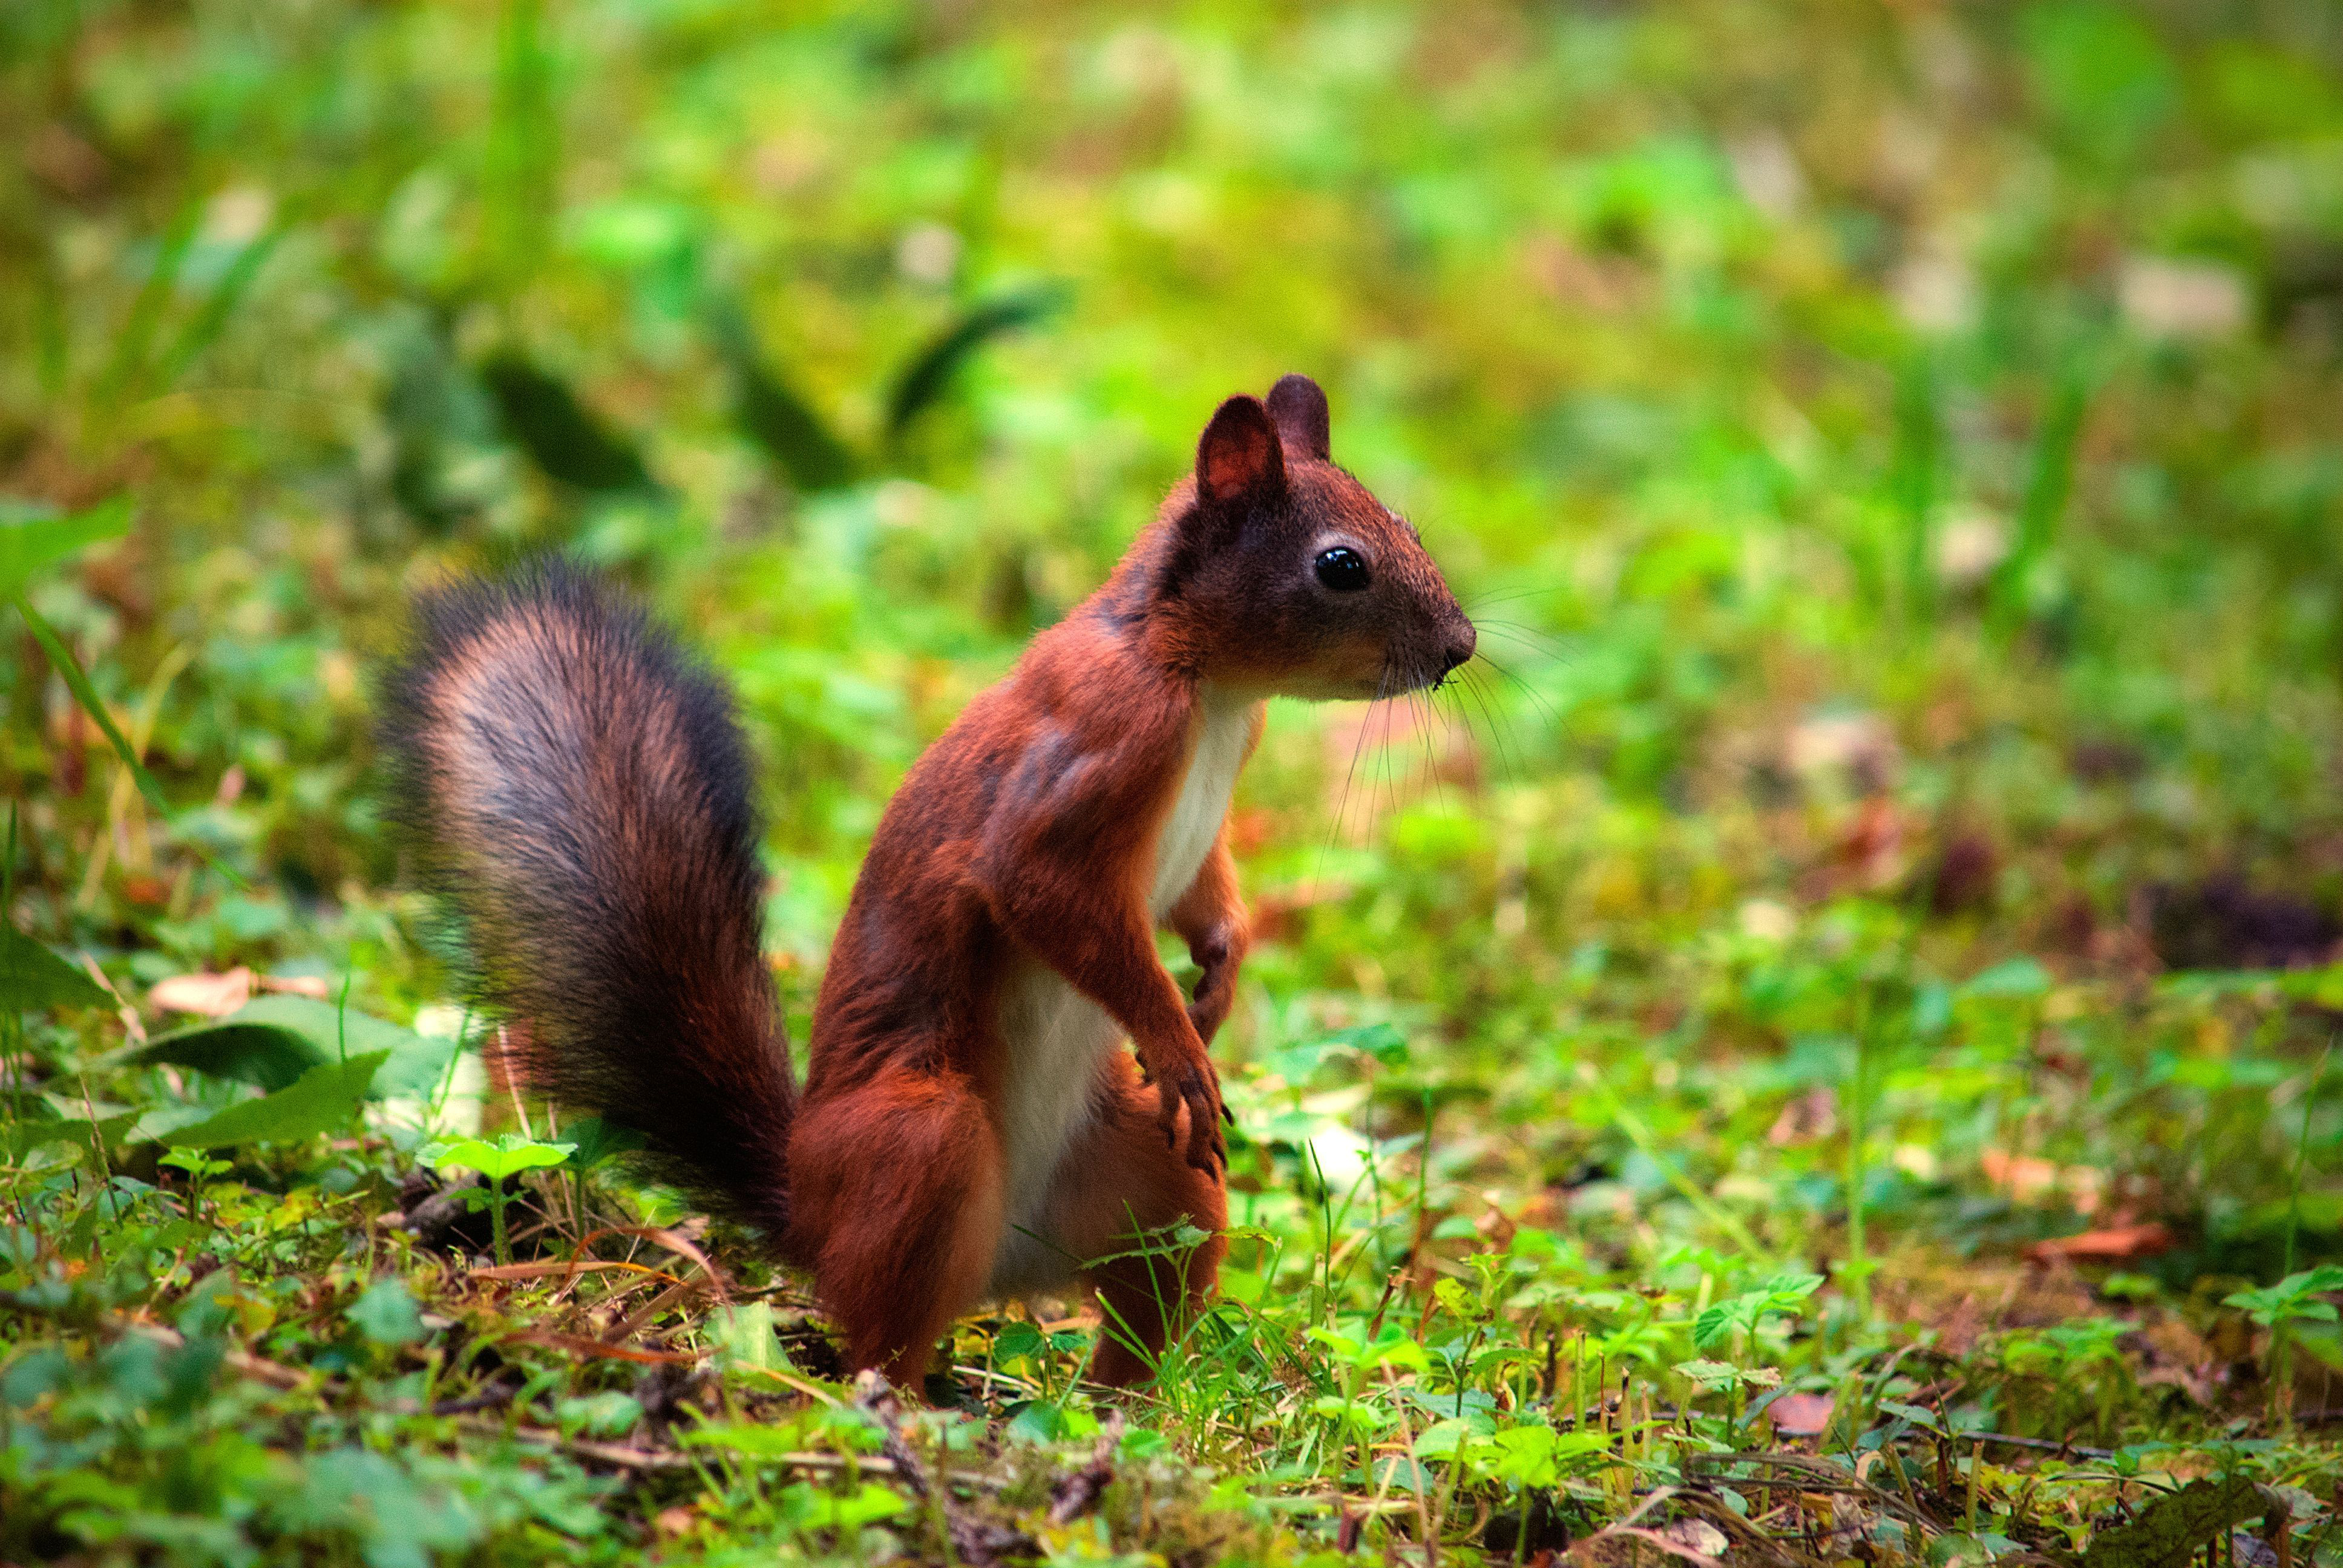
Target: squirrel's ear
1239,453
1299,409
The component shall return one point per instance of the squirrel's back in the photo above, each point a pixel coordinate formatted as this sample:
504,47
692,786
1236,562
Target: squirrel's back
580,796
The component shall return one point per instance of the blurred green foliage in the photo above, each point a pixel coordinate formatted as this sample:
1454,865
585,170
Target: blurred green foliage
1891,451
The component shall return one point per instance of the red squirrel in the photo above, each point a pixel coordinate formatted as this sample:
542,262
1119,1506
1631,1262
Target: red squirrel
969,1128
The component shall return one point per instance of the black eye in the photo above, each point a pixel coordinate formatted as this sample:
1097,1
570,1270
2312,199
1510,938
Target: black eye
1343,568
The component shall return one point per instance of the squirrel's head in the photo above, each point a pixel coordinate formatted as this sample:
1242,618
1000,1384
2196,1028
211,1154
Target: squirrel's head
1286,575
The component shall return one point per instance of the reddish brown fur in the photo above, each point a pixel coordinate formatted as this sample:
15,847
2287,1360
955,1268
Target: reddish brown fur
1023,845
1030,828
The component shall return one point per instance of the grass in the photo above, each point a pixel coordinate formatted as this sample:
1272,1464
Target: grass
1816,1052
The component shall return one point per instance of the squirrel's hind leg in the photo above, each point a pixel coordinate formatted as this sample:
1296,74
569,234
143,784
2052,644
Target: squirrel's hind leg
895,1187
1125,1195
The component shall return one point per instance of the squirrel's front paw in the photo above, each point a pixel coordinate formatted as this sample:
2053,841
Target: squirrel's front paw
1197,1087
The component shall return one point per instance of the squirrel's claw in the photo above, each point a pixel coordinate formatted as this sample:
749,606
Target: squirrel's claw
1196,1087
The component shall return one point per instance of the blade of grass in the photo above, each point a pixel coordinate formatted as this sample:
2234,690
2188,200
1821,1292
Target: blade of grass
78,682
204,326
53,348
13,1020
1858,1267
550,423
33,537
2050,479
1914,482
68,670
1705,1206
2301,1153
929,375
771,413
521,152
131,348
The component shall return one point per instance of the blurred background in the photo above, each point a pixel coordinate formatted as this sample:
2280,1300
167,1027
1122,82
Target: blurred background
1892,450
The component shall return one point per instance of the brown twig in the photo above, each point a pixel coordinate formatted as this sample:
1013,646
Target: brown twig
976,1542
602,1350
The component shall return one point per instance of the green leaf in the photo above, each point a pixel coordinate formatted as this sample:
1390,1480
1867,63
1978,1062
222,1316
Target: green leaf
266,1055
598,1139
61,658
812,1507
743,1338
2168,1532
546,419
127,364
1782,1295
203,328
1524,1455
1382,1042
416,1062
386,1314
2292,1298
1016,1342
771,412
1785,1292
322,1100
1918,1415
929,373
508,1155
1443,1439
607,1415
34,538
759,1439
2020,976
34,979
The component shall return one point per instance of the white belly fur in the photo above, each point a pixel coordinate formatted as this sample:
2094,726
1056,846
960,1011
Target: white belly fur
1055,1037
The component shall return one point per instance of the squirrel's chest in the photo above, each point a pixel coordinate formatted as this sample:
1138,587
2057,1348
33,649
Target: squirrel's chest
1052,1037
1202,805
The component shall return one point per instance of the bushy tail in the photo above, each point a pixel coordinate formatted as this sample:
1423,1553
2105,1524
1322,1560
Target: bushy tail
580,794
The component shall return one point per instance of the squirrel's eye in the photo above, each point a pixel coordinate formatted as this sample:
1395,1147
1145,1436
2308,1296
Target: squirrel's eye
1343,568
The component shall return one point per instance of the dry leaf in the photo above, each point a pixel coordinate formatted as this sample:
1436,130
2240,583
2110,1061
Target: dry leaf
2027,1179
312,986
1698,1534
213,996
1811,1116
216,996
2114,1244
1795,1415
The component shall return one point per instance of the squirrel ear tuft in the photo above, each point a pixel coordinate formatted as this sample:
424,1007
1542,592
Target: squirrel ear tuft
1239,453
1299,408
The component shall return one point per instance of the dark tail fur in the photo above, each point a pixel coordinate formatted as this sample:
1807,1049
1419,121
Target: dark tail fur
579,793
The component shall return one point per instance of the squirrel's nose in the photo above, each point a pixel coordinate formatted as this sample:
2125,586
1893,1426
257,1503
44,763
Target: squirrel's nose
1460,649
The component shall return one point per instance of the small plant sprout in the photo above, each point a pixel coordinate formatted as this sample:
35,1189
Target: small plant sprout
507,1156
199,1168
1784,1295
1740,1317
1359,1357
2293,1300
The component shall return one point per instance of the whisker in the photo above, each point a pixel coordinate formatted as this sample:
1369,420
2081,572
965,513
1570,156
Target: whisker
1470,687
1529,637
1484,690
1446,716
1421,701
1382,784
1343,802
1552,714
1513,596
